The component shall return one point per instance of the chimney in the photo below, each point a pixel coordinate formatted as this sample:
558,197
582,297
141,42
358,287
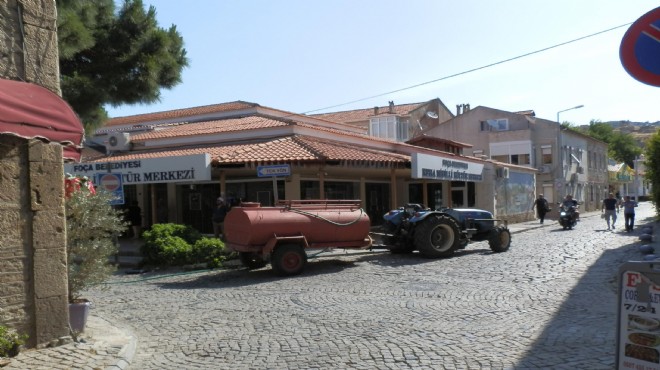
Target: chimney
458,109
391,106
375,111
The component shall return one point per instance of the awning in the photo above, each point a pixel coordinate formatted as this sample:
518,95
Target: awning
31,111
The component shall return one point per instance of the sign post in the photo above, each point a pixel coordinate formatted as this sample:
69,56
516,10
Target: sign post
274,171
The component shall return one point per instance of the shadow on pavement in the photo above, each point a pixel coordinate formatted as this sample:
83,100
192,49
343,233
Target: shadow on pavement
583,331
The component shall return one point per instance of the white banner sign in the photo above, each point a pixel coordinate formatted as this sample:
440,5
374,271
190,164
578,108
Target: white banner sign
430,167
184,169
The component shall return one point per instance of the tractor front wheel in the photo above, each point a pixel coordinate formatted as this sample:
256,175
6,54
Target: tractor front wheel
437,237
500,239
288,260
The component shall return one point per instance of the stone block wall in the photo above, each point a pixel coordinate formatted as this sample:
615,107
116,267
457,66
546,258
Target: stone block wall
33,272
28,42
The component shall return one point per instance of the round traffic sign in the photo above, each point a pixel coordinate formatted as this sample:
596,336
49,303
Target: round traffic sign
640,49
110,182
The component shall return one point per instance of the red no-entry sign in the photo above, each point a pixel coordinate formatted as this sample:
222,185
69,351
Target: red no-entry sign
640,49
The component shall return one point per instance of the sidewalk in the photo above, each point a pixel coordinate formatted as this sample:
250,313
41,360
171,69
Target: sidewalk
107,346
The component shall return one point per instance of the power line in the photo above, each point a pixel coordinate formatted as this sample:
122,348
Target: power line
470,70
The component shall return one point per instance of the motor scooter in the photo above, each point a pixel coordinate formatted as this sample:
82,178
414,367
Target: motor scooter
568,216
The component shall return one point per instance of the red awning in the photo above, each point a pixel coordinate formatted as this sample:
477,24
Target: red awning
31,111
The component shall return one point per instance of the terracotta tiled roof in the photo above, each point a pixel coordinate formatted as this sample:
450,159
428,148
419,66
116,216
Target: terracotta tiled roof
185,112
209,127
365,114
284,149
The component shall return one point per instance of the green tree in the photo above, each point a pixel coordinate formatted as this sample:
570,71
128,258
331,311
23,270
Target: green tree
114,57
652,164
621,147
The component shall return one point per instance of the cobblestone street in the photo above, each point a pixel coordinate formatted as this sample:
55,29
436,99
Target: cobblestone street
549,302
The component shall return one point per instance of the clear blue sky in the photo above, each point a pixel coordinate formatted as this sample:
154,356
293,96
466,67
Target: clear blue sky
302,56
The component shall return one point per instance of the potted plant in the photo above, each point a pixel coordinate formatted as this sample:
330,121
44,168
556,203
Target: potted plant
92,226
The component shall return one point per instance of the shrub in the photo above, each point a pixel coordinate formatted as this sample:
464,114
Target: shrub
10,340
209,250
176,245
91,226
169,244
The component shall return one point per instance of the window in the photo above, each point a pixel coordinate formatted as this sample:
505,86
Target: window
501,124
389,127
519,159
546,154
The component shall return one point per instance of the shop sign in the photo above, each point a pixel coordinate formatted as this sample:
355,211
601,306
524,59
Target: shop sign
425,166
184,169
638,331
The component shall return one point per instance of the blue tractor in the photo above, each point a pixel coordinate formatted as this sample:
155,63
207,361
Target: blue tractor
438,233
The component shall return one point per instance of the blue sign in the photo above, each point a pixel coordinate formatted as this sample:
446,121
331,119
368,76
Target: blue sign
111,183
275,170
640,49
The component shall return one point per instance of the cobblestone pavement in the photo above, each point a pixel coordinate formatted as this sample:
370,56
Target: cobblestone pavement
549,302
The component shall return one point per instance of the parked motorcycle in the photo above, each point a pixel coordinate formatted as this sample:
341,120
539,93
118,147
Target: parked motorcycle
568,216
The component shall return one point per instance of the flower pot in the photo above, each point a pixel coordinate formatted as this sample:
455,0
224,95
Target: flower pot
78,313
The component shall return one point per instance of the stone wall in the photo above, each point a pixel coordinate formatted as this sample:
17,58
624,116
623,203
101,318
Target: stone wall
28,42
33,272
33,276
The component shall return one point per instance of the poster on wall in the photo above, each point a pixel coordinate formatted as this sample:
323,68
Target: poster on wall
638,331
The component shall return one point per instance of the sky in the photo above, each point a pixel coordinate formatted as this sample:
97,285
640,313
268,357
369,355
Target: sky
319,56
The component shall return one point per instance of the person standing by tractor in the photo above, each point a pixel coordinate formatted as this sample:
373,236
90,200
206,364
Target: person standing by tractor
541,205
629,213
610,208
218,217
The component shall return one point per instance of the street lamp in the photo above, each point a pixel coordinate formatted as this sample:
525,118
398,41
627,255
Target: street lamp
575,107
560,143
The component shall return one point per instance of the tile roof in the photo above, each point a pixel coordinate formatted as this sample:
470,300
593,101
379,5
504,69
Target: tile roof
284,149
209,127
185,112
365,114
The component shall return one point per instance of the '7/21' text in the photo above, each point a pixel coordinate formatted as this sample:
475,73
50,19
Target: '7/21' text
638,308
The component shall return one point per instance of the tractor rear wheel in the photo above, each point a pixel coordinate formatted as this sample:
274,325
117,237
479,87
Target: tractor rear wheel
437,236
500,239
288,260
251,260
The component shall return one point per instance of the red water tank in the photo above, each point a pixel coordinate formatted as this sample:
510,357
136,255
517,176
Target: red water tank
319,221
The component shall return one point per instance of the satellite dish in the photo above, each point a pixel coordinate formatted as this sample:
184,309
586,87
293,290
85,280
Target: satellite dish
432,115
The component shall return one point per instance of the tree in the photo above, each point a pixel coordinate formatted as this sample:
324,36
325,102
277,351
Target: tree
621,147
109,57
652,164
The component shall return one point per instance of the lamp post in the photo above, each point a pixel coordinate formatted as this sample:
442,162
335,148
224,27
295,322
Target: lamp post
560,142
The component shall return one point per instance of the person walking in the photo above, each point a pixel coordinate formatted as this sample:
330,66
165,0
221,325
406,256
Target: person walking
629,213
541,205
610,208
218,218
134,217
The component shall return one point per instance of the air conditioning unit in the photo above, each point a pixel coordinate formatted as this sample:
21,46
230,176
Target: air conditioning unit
503,172
118,141
544,169
580,170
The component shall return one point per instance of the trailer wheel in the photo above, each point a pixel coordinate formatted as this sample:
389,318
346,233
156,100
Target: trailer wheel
251,260
437,237
288,260
500,239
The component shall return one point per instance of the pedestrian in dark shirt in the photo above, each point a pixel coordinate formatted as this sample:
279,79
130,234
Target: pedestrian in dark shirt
541,205
218,218
610,208
629,213
134,217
